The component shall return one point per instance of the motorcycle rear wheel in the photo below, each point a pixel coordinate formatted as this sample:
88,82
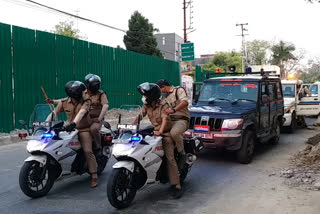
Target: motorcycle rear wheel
120,190
30,179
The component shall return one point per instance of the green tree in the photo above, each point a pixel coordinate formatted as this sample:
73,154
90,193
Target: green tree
313,72
66,29
257,52
223,60
140,38
282,53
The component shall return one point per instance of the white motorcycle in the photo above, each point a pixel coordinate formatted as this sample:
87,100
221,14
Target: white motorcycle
141,161
57,154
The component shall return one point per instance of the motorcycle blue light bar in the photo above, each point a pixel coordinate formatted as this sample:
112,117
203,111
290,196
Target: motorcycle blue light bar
135,138
47,135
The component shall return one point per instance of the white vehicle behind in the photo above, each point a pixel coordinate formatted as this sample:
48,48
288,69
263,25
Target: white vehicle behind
309,105
291,99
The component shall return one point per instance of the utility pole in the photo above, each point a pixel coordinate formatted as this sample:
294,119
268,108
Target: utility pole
185,21
244,55
190,28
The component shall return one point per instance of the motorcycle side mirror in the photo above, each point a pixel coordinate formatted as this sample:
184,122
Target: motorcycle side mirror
138,125
58,125
106,124
24,124
119,119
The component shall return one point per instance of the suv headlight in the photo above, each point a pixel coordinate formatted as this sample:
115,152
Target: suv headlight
287,109
231,124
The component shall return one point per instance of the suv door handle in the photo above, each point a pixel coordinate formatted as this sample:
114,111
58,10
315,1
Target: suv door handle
315,98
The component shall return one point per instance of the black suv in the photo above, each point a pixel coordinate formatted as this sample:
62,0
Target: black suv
235,112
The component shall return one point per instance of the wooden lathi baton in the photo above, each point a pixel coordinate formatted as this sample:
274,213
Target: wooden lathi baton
45,96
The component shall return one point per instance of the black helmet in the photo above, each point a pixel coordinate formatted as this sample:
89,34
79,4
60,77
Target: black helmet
161,83
92,82
74,89
151,91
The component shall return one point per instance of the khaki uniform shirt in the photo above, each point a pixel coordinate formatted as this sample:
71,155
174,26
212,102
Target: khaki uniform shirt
72,109
172,100
156,114
97,101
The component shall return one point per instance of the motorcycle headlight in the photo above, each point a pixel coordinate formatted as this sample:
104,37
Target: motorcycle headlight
287,109
231,124
35,145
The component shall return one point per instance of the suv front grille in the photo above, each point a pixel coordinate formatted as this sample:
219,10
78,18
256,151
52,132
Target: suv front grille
214,123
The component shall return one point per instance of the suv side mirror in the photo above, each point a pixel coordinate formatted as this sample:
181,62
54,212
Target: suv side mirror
265,99
196,97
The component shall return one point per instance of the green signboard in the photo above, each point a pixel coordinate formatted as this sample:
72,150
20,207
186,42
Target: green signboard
187,52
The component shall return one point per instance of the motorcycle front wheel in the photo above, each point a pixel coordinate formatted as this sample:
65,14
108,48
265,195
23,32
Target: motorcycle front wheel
120,190
35,180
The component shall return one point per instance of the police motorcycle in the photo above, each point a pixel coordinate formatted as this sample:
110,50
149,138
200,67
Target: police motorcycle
141,161
55,154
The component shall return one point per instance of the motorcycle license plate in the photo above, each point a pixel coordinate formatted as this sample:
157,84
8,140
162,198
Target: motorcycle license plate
45,123
127,126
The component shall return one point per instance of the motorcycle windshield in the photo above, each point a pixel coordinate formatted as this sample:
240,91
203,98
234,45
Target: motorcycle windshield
124,138
40,114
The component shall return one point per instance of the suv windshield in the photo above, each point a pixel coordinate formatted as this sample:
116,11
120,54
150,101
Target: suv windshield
229,91
289,90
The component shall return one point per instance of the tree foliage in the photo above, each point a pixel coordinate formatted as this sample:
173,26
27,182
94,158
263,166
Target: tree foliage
66,29
313,72
282,53
223,60
139,37
257,52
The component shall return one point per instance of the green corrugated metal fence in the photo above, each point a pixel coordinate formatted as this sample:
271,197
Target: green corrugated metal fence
41,58
6,98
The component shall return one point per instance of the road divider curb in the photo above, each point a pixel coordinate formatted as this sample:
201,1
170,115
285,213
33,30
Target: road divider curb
5,140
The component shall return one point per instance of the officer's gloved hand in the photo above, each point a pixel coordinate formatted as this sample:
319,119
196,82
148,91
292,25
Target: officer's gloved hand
50,101
70,127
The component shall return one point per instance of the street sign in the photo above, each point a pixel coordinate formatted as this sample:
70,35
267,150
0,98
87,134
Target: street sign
187,52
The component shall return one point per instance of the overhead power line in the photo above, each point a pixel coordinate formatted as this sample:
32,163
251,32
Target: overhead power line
42,7
76,16
92,21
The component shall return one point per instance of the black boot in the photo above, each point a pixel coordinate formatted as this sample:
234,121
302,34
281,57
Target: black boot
177,193
182,160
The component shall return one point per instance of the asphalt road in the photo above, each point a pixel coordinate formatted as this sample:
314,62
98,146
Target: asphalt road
215,182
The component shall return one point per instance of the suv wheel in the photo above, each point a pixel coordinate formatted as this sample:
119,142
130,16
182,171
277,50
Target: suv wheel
245,154
293,124
276,133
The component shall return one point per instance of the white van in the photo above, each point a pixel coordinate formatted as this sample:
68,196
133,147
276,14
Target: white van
309,105
291,99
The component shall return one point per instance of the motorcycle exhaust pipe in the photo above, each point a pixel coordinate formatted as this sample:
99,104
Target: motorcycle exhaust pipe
190,158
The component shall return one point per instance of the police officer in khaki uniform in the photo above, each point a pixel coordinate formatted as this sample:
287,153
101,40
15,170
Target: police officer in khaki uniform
177,99
155,109
76,109
99,106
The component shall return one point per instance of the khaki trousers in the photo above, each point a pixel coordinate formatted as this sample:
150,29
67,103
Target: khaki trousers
176,132
95,132
86,143
173,172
